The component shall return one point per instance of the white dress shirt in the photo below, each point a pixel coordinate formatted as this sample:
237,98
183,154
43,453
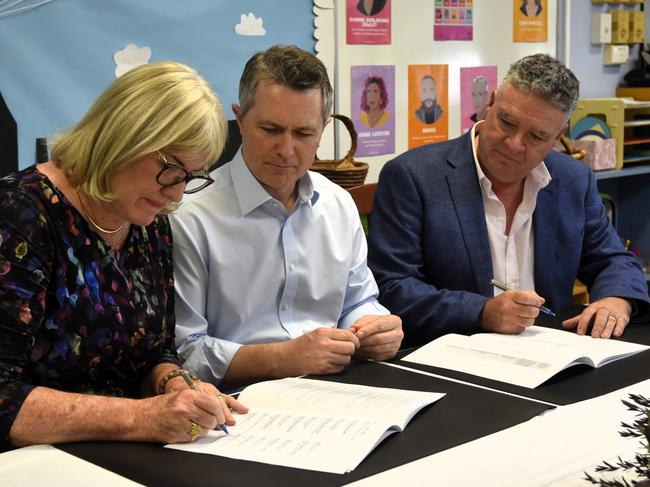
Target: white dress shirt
513,254
248,272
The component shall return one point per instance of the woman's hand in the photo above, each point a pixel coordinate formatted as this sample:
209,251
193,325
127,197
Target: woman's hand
168,418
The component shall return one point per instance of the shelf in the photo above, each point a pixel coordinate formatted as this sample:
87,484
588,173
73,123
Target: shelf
639,140
634,158
641,94
636,123
631,103
620,173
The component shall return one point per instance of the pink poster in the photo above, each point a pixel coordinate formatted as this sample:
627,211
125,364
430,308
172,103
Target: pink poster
373,109
476,85
453,20
368,21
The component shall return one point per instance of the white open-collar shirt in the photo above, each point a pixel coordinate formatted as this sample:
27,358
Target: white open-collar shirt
513,254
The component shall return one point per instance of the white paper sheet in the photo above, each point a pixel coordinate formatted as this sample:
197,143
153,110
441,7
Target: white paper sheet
46,465
527,360
553,449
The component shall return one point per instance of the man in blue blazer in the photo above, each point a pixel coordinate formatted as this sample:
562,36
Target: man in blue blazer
499,203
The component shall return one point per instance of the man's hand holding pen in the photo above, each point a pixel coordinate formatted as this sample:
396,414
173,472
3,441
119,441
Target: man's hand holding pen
512,311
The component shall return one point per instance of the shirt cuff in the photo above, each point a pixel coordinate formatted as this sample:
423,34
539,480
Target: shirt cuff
208,357
369,308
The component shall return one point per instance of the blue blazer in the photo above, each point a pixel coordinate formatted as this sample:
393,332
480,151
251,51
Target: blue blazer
429,247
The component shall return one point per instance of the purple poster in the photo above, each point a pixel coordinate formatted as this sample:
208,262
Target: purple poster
373,109
453,20
476,85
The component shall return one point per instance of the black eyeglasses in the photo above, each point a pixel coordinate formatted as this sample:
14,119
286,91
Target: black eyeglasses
172,174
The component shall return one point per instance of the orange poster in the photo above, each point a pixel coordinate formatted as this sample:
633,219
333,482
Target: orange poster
529,20
428,108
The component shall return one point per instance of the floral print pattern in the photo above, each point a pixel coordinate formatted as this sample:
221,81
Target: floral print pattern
76,315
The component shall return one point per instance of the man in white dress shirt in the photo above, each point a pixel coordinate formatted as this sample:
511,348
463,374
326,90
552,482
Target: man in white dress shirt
270,261
498,202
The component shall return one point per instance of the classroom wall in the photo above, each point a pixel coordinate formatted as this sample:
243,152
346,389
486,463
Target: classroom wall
412,43
586,59
55,59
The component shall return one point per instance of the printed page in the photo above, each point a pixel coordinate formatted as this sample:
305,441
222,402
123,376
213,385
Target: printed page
327,443
548,341
394,405
527,360
313,424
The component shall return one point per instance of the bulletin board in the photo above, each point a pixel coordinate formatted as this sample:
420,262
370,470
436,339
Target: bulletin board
412,44
57,56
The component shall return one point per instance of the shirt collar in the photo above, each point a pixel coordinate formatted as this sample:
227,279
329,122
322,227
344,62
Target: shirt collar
539,176
251,194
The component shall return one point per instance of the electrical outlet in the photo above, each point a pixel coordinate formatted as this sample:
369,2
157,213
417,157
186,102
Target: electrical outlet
601,28
616,54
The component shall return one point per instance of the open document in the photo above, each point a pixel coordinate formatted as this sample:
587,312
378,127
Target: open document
527,360
313,424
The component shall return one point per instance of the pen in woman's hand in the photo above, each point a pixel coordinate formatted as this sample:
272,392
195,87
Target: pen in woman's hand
186,376
504,287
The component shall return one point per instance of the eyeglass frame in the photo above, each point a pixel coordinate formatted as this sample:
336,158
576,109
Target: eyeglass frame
188,176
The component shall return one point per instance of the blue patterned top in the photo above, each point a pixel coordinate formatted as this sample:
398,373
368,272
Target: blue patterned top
74,314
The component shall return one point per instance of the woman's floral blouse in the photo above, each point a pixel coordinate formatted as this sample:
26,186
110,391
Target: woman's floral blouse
74,314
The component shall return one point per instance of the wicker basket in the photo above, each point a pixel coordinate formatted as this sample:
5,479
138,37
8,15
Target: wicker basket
345,172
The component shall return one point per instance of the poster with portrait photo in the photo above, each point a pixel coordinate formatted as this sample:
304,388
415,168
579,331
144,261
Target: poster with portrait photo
428,118
529,19
476,84
373,109
453,20
368,22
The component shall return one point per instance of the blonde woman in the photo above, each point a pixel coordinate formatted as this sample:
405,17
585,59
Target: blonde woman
86,272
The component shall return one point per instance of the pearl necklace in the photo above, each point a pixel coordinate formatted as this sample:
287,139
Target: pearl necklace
86,215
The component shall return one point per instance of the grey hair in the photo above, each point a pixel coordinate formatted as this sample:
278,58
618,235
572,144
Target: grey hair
289,66
546,77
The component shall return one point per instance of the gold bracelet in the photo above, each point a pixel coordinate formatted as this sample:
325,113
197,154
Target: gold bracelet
169,376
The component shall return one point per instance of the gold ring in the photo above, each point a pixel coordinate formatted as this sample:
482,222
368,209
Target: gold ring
195,431
219,396
610,317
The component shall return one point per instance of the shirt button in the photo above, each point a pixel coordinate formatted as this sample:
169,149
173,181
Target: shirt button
292,267
285,307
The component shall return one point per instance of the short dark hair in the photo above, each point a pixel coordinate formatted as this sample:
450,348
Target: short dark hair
289,66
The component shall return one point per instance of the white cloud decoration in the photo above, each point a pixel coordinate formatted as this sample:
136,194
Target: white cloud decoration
130,57
249,25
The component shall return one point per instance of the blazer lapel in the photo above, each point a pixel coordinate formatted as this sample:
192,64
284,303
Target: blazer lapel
546,213
468,203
